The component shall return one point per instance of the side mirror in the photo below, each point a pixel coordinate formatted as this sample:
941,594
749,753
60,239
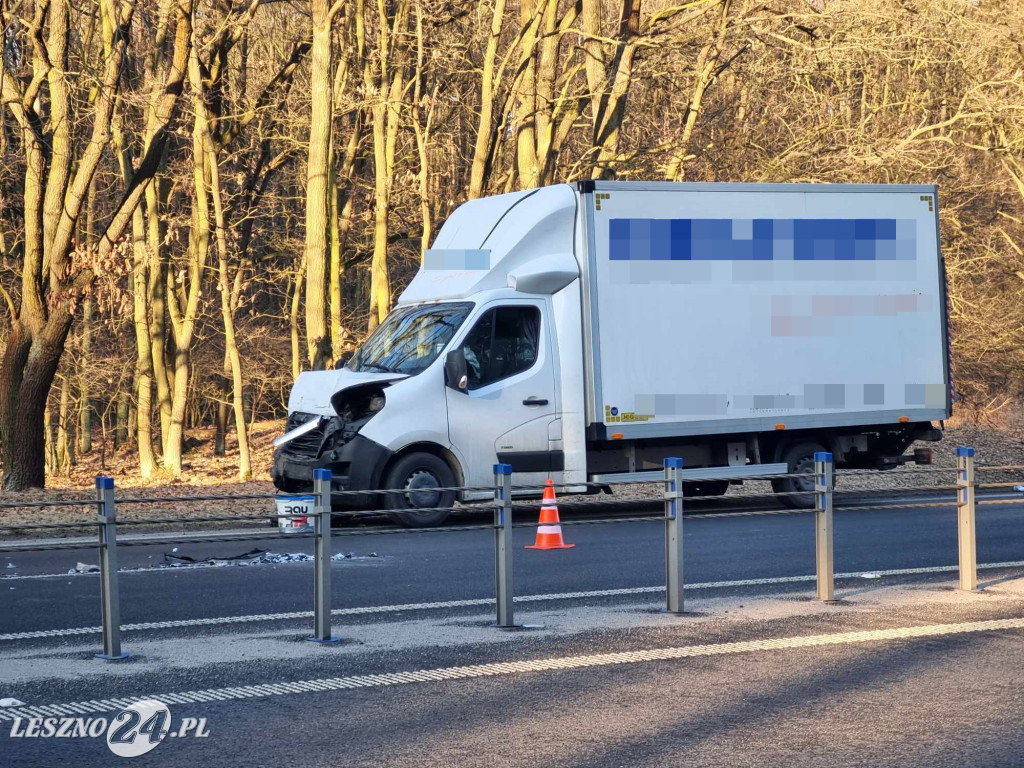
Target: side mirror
455,371
342,362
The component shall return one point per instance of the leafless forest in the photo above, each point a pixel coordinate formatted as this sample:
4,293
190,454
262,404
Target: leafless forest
201,198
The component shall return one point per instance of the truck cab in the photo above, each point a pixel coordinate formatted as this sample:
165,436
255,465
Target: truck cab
389,418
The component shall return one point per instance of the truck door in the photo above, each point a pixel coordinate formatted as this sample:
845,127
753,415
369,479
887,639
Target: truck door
509,404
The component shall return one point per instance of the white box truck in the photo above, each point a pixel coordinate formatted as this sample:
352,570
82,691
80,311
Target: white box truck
586,332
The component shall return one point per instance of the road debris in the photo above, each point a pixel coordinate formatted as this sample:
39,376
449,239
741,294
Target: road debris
85,568
252,557
11,703
176,561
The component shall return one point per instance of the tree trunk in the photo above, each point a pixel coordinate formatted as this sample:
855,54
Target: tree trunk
50,447
486,137
389,87
220,417
122,419
84,403
227,314
293,320
318,173
26,373
65,447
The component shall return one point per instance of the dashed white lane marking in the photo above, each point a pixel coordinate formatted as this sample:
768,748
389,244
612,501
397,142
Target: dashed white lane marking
514,667
370,609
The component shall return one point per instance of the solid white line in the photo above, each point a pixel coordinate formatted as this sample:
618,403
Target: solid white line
538,665
371,609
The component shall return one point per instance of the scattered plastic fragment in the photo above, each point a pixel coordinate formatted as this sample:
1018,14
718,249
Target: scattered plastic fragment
297,557
85,568
11,702
252,557
176,561
11,565
1019,488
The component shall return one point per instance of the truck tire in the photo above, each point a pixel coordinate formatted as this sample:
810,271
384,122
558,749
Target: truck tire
422,474
799,457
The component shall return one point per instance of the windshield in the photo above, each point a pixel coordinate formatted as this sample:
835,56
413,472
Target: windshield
409,339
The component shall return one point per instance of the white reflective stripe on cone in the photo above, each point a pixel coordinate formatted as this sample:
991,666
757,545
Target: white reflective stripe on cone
549,529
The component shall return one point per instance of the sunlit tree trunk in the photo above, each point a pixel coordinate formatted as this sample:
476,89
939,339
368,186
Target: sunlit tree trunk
227,313
318,173
487,124
384,79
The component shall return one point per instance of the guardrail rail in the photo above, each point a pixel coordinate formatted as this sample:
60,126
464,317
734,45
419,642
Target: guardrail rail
108,541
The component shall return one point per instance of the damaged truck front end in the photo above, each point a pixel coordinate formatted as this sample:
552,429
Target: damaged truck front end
313,441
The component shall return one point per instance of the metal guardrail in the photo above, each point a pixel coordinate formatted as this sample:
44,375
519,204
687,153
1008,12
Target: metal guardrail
503,524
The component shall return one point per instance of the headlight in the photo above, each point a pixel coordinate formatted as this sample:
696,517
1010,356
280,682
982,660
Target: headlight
376,403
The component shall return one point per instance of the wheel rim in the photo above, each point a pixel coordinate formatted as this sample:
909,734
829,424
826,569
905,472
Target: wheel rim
806,464
424,484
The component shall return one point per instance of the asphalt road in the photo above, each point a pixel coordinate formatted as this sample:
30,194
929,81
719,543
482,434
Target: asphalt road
412,567
947,697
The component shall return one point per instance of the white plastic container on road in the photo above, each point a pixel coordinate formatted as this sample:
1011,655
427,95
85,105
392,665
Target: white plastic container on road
302,509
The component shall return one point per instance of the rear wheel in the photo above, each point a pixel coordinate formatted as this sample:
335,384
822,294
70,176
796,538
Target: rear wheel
421,474
799,458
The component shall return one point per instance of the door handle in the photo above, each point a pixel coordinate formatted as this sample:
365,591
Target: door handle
535,401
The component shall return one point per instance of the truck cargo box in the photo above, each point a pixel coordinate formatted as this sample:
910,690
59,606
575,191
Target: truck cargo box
717,308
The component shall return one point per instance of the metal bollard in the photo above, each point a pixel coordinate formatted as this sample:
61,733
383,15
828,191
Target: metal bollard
503,545
322,558
823,486
110,598
674,536
965,506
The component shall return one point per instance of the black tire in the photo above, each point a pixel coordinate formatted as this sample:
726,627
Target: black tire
799,457
421,473
706,488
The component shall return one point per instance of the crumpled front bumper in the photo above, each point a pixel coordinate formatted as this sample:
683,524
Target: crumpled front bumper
359,466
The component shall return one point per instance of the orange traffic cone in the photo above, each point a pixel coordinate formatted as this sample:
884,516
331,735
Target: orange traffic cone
549,532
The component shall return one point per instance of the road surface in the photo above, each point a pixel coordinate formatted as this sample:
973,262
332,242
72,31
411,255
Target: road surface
419,678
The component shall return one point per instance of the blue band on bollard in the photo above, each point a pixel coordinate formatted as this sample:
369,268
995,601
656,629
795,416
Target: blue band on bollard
965,450
321,474
104,483
503,469
673,463
822,456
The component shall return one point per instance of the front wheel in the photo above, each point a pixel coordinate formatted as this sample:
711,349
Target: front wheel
421,474
799,459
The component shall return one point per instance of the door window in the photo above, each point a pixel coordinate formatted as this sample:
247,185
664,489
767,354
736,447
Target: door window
505,341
